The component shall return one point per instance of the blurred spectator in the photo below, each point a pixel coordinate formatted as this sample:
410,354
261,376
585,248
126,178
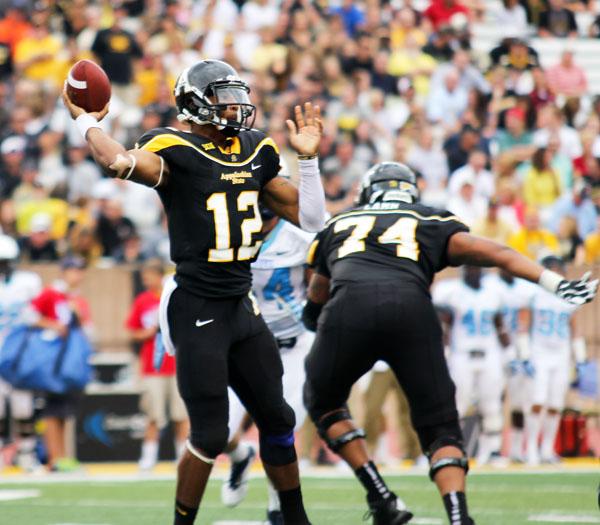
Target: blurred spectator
113,228
567,78
532,240
514,53
447,102
160,401
12,150
578,205
511,14
469,76
14,26
541,184
414,63
570,244
511,208
351,14
117,51
515,138
492,226
466,204
541,95
428,158
38,245
441,44
131,250
551,121
82,242
441,12
337,196
344,162
592,245
557,21
57,307
459,146
36,55
82,173
475,169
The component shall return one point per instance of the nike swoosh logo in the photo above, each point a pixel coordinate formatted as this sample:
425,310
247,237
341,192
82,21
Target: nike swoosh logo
255,167
180,511
202,323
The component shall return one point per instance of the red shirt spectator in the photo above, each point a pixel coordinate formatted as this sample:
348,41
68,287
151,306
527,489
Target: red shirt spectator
144,315
58,304
440,12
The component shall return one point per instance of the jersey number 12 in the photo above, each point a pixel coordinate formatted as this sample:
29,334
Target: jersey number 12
223,252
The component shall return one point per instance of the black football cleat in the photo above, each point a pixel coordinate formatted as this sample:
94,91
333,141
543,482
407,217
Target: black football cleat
274,517
386,512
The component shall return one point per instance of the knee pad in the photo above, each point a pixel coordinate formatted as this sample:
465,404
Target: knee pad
436,437
210,441
517,419
195,452
492,424
326,422
277,450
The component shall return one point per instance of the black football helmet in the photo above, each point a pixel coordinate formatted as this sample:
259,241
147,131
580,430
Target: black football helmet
204,90
389,181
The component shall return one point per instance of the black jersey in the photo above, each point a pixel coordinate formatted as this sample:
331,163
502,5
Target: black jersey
211,202
387,241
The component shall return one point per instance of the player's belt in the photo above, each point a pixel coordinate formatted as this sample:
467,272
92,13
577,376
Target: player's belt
476,354
287,342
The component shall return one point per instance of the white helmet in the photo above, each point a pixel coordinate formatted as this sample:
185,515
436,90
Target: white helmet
9,249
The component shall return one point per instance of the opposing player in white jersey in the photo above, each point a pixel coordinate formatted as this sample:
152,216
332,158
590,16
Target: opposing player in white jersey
471,313
515,295
17,289
279,286
553,337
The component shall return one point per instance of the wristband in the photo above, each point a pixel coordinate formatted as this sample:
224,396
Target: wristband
550,280
307,157
85,122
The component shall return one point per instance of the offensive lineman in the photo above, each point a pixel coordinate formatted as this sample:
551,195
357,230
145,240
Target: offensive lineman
471,314
373,267
279,278
553,335
17,289
210,180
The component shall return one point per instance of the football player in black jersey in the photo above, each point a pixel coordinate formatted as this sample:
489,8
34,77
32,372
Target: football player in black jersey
210,180
373,269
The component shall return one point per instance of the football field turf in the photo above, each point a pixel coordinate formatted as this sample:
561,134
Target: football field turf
495,498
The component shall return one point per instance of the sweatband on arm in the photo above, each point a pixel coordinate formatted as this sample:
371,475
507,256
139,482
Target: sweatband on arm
550,280
311,198
85,122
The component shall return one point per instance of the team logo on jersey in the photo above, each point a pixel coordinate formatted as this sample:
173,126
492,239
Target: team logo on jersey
208,146
237,177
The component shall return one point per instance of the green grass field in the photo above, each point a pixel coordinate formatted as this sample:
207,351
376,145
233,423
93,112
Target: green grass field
495,499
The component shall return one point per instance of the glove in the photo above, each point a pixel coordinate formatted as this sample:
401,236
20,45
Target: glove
528,368
579,291
159,351
579,371
514,367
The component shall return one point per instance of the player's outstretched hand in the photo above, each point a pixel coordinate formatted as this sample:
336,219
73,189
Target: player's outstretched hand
75,111
305,133
578,292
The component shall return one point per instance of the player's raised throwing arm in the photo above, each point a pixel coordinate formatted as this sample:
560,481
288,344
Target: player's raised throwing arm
303,206
114,160
466,248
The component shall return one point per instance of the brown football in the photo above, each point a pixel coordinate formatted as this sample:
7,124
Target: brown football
88,86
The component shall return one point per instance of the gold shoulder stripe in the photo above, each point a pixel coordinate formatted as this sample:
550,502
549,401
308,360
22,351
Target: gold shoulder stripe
310,258
166,140
391,212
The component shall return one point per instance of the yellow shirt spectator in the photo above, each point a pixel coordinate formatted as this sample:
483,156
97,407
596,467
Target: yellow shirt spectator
411,61
541,185
37,57
533,243
592,248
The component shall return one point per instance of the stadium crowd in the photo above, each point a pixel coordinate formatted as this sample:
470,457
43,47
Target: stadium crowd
511,148
508,146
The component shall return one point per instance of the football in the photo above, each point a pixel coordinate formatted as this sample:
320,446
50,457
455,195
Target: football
88,86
